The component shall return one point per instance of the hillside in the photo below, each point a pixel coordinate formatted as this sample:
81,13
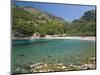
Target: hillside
86,25
28,20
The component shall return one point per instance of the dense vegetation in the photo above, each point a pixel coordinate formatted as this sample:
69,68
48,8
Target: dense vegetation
28,20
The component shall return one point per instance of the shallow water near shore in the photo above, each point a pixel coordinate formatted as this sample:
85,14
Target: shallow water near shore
67,51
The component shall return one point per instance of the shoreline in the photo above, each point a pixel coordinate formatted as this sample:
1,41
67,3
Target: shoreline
88,38
74,37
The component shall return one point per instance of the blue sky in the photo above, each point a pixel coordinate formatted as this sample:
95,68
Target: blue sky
65,11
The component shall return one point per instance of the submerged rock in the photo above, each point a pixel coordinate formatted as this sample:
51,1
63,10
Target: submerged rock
43,70
38,67
63,67
60,64
93,58
34,65
47,67
17,69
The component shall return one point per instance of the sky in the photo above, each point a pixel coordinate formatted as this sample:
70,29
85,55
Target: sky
66,11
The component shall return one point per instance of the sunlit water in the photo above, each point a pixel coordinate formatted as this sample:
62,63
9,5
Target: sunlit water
51,51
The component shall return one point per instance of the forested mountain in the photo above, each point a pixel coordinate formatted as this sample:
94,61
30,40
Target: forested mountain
28,20
89,16
86,25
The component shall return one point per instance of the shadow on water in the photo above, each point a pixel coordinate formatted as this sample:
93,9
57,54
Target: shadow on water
29,42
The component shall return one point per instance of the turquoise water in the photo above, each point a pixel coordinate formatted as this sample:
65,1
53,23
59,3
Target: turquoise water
51,51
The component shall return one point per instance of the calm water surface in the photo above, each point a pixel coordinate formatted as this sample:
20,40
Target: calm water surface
51,51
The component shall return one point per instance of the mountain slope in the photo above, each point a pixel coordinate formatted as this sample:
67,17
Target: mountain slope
86,25
28,20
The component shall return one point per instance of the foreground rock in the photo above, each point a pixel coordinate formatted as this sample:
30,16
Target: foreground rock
60,67
47,67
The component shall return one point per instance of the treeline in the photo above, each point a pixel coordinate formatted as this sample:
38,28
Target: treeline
28,20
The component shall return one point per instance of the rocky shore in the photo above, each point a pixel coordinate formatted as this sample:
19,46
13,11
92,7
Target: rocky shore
47,67
60,67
